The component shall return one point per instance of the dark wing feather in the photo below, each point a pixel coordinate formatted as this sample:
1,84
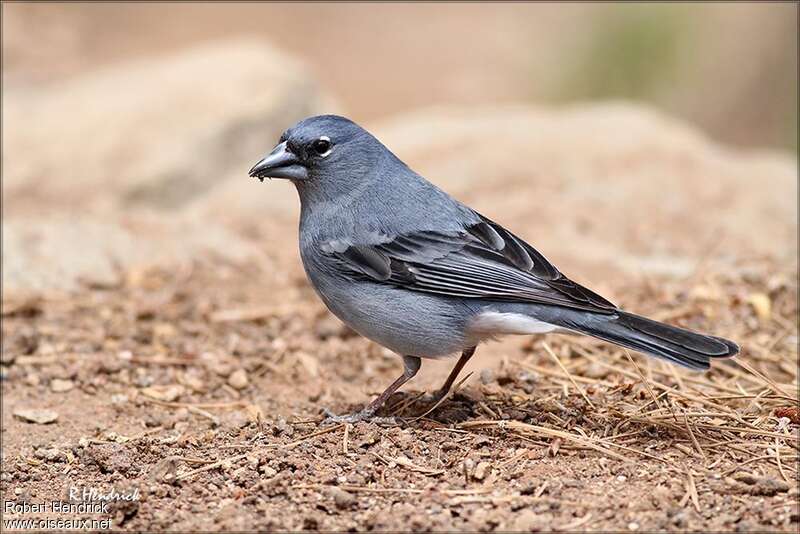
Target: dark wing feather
369,260
483,261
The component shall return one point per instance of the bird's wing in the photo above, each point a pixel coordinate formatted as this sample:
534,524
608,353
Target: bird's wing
483,261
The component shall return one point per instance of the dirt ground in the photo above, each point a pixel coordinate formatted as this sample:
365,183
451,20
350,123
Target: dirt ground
198,384
189,388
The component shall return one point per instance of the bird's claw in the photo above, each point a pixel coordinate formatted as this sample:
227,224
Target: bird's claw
364,415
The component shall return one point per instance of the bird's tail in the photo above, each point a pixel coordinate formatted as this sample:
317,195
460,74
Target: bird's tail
661,340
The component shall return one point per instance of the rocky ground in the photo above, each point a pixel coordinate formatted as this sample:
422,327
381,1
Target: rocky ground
197,388
159,334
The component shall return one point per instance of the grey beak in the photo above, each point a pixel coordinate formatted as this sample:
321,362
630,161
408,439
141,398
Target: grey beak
280,163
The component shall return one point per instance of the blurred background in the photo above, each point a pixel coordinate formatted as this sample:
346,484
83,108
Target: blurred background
729,68
118,116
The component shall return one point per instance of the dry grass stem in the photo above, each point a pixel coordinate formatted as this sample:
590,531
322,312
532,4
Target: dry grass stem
569,376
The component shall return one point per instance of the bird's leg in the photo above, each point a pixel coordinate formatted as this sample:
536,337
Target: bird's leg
462,361
411,365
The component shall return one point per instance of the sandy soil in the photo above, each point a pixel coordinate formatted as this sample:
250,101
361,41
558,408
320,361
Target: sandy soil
200,384
192,390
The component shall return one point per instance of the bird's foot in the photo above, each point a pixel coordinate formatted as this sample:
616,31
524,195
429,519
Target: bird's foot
364,415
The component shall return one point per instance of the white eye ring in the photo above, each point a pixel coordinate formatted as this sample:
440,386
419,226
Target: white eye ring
325,139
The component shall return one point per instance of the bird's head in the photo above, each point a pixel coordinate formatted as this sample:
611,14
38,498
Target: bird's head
326,152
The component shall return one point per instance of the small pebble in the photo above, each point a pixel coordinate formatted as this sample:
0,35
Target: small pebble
528,520
238,379
281,427
487,376
762,305
33,380
220,367
51,455
41,417
168,393
371,438
119,398
111,366
194,382
267,471
467,466
481,470
341,498
58,385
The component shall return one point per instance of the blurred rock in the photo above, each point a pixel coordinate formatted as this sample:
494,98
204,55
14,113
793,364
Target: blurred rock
238,379
166,393
51,455
528,521
605,185
611,189
59,385
154,132
762,305
103,162
59,252
606,189
341,498
481,470
41,417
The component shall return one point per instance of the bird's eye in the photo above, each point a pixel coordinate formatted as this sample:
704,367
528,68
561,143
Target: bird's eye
322,146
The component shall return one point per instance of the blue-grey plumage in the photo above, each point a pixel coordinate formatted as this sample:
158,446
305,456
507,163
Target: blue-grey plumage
409,267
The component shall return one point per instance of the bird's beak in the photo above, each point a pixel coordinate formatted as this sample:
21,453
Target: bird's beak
280,163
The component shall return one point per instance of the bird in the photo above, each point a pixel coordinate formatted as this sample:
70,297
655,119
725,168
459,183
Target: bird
404,264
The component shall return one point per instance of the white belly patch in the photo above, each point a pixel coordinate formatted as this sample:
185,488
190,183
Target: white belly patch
496,323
